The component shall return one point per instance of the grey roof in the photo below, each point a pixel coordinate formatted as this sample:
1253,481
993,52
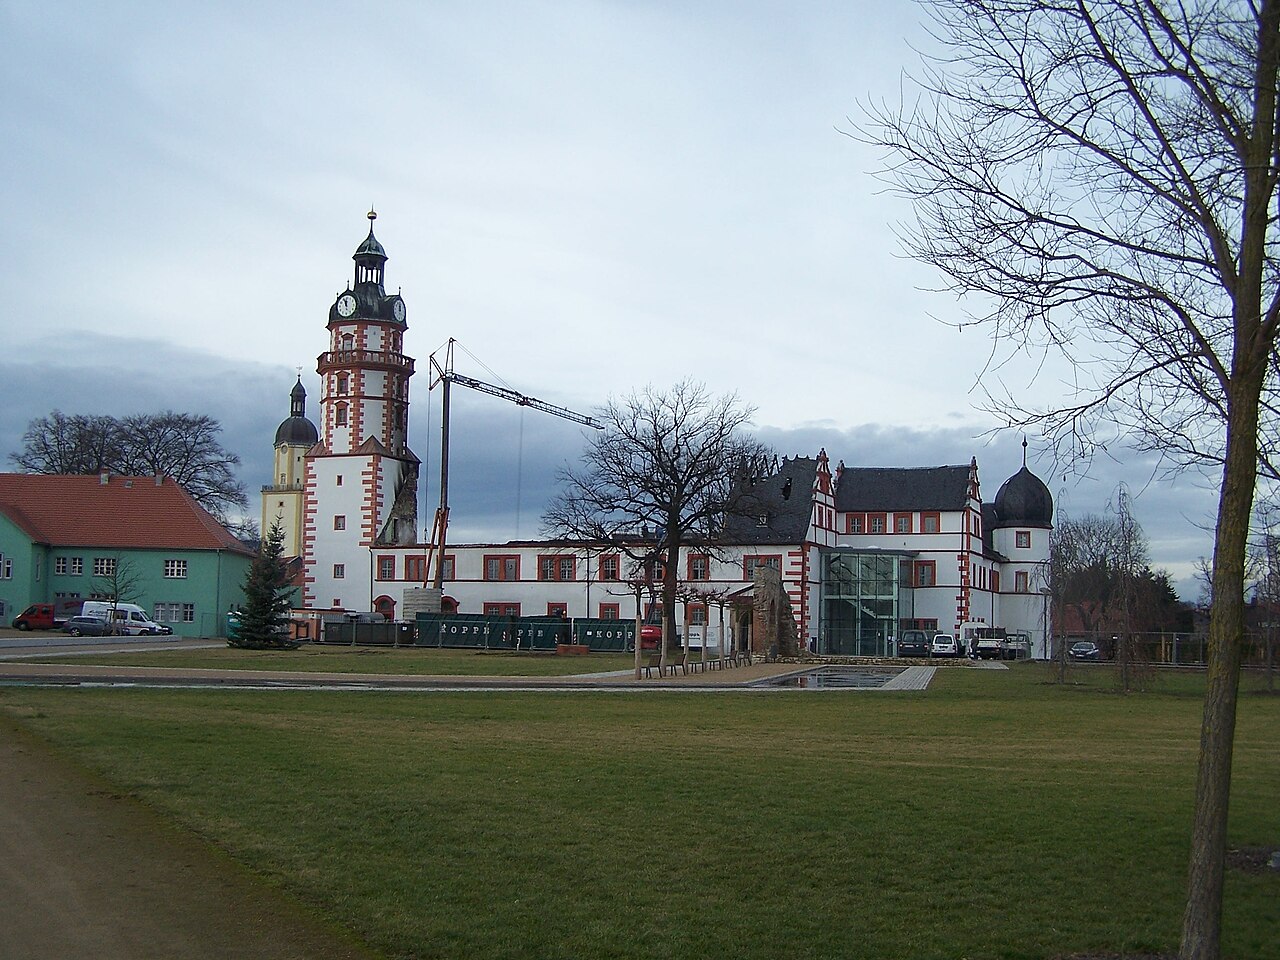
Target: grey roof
297,430
370,247
784,499
863,489
1024,501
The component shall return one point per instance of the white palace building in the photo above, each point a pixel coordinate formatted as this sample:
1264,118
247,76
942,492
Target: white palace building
863,552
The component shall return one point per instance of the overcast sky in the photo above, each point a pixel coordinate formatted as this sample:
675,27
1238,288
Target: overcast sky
591,197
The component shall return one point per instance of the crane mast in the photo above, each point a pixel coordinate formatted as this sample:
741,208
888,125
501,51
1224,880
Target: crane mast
444,375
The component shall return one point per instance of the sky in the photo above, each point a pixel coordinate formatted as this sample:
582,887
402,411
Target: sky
591,197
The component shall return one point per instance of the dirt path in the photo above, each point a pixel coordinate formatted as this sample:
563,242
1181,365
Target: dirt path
87,873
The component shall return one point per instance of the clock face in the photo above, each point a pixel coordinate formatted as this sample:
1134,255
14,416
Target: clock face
397,308
346,305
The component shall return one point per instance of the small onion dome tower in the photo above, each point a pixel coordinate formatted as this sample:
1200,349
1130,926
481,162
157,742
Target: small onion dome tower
1020,525
297,429
282,499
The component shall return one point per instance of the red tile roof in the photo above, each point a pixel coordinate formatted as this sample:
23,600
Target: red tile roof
78,511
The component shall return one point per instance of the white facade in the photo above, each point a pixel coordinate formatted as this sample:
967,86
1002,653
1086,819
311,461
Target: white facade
863,553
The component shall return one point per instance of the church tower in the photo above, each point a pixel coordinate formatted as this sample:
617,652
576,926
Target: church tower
361,481
282,499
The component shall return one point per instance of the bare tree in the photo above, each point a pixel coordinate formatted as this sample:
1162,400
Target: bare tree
76,444
119,582
1130,565
183,446
668,463
1104,175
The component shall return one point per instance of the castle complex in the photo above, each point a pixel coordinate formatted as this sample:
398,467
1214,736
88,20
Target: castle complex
863,552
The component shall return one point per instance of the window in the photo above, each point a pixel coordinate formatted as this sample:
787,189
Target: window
610,611
6,568
995,581
104,566
875,522
697,614
337,482
77,566
902,523
1022,539
749,565
557,610
699,567
855,523
926,573
339,522
502,609
340,415
557,568
610,567
386,568
415,569
1020,582
342,383
655,570
339,571
60,565
174,613
929,523
447,572
175,569
501,568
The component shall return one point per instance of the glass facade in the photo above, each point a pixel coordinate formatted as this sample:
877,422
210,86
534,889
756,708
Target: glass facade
864,595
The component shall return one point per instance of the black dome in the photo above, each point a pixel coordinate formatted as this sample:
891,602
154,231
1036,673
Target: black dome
297,430
1024,501
370,248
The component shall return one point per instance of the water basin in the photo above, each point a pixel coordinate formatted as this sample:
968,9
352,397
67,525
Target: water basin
836,678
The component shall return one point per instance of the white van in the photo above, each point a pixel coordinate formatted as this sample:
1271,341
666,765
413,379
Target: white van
130,619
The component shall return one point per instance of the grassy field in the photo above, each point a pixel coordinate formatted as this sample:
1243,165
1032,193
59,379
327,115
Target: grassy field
312,658
991,816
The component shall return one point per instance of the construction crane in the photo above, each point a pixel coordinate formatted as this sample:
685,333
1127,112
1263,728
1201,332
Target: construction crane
444,375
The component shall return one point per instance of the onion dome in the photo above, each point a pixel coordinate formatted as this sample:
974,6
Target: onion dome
1024,501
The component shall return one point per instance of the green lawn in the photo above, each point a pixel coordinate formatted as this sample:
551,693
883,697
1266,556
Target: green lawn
991,816
311,658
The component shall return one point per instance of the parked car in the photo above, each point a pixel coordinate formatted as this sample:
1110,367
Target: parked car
913,643
1084,650
944,645
130,619
86,627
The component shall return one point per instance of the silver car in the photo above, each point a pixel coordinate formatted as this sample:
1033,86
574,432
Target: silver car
944,645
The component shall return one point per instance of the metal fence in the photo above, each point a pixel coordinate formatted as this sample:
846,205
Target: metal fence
1174,649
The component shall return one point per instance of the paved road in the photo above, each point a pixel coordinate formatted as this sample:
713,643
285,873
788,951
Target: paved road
87,873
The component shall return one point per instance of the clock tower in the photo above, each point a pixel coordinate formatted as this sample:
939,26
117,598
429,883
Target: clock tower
361,478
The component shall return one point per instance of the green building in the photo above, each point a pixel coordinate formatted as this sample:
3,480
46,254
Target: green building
73,538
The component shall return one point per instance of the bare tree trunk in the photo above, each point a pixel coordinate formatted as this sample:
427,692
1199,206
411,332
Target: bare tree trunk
1202,920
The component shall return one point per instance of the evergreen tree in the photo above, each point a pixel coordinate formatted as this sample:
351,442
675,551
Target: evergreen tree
264,620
